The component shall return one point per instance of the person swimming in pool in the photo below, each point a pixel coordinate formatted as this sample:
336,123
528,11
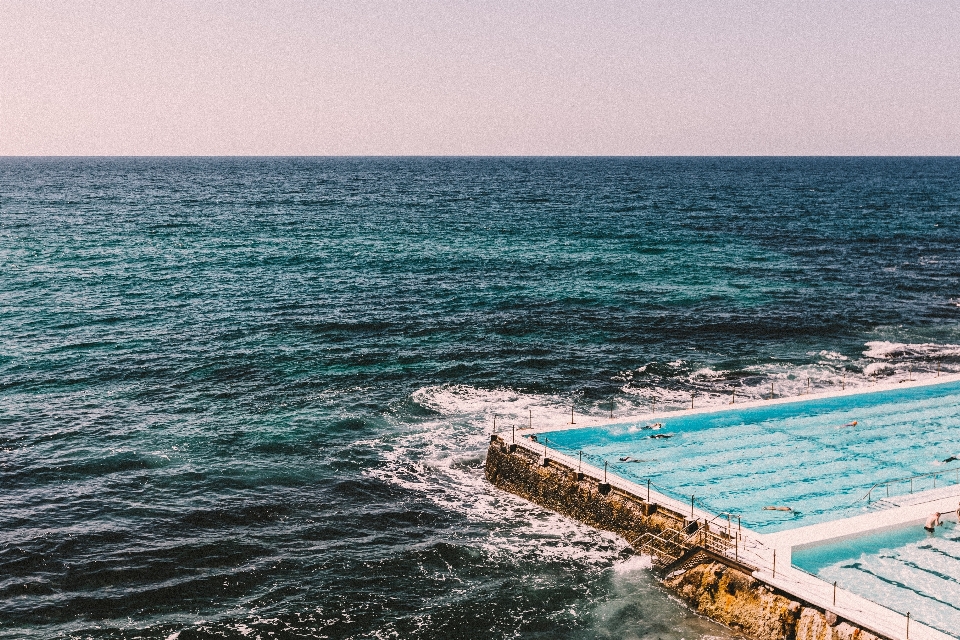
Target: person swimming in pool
932,522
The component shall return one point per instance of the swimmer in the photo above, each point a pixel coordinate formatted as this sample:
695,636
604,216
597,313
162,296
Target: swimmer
661,435
777,509
655,425
849,424
951,459
630,459
932,522
533,437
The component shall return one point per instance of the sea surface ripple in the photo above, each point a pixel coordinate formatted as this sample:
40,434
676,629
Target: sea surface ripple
250,398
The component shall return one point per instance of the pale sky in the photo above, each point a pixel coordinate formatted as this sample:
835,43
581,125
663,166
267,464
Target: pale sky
435,77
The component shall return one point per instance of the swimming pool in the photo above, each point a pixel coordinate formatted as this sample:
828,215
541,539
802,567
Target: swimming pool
797,455
907,569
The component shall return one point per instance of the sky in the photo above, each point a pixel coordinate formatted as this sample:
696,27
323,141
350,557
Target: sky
435,77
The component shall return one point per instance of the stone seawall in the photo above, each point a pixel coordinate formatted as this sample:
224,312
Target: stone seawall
715,586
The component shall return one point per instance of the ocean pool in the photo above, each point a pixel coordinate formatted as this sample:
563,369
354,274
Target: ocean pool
907,569
797,455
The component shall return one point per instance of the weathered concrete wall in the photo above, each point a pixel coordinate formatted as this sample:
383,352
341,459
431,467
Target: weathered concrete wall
557,488
721,591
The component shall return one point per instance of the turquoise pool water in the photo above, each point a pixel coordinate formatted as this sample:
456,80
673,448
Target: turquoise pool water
797,455
908,570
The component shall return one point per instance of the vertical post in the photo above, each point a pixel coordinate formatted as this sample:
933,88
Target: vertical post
736,548
691,506
888,489
580,465
571,415
611,408
604,472
739,528
728,525
514,434
911,485
908,625
938,368
834,593
733,396
844,382
774,563
771,390
691,401
648,489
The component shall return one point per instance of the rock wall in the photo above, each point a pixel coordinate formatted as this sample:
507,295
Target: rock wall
715,587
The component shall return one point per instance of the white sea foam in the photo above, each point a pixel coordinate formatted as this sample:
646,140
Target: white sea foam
883,349
442,460
634,563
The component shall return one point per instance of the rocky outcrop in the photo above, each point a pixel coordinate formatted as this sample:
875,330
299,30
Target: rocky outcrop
714,586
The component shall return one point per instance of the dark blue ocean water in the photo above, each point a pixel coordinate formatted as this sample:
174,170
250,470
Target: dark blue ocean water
251,397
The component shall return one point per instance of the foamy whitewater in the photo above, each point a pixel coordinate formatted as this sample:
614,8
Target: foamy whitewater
252,397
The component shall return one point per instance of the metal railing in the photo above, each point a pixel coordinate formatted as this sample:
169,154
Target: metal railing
912,480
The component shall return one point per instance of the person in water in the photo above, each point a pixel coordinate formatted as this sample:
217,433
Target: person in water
932,522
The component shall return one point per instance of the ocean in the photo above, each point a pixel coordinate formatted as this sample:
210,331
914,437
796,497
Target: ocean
251,397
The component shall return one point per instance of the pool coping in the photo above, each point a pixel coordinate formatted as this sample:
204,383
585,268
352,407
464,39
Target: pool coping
588,421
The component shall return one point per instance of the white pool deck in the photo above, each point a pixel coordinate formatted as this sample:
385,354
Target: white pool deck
772,552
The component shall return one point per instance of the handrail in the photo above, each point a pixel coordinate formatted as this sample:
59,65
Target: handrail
887,483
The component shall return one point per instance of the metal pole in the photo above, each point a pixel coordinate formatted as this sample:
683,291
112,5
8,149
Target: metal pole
908,625
580,466
571,416
691,401
691,506
733,396
604,472
611,408
844,383
774,563
736,548
911,485
771,390
648,489
834,593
